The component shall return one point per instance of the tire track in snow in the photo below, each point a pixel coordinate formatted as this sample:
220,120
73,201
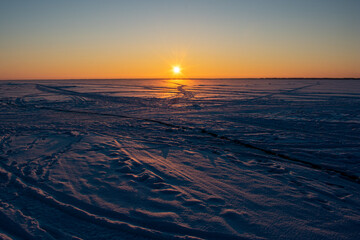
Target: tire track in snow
61,91
346,175
284,157
107,218
283,92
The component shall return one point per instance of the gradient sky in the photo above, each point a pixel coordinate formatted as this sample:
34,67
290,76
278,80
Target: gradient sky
142,38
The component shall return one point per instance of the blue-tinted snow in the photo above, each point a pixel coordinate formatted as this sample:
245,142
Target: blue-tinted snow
201,159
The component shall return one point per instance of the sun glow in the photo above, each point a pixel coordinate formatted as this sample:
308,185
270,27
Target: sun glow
176,70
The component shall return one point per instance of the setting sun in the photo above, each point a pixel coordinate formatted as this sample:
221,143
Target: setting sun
176,69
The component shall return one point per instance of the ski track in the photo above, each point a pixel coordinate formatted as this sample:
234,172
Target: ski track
146,168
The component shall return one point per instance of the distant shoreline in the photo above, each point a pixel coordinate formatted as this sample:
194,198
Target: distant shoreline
94,79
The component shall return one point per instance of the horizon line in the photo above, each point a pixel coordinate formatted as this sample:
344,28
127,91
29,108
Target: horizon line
190,78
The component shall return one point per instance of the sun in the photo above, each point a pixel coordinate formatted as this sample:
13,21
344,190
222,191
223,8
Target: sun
176,70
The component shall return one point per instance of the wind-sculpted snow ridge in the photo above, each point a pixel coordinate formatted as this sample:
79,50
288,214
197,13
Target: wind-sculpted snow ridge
188,94
179,159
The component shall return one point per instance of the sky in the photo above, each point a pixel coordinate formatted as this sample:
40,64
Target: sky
71,39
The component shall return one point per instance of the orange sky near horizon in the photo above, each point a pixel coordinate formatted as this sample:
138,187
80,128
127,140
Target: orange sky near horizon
100,65
208,39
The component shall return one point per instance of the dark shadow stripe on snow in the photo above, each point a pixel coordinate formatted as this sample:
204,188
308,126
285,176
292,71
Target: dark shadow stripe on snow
346,175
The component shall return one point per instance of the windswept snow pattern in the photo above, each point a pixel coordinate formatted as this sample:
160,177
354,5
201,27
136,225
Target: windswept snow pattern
180,159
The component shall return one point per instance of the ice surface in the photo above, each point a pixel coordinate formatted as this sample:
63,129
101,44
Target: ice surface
180,159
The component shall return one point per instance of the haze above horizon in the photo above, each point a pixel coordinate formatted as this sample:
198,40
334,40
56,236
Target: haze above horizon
206,38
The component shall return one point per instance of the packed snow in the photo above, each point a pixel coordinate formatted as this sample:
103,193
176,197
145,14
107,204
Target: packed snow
180,159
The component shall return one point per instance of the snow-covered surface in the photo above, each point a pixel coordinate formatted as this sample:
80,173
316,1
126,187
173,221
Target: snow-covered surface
180,159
